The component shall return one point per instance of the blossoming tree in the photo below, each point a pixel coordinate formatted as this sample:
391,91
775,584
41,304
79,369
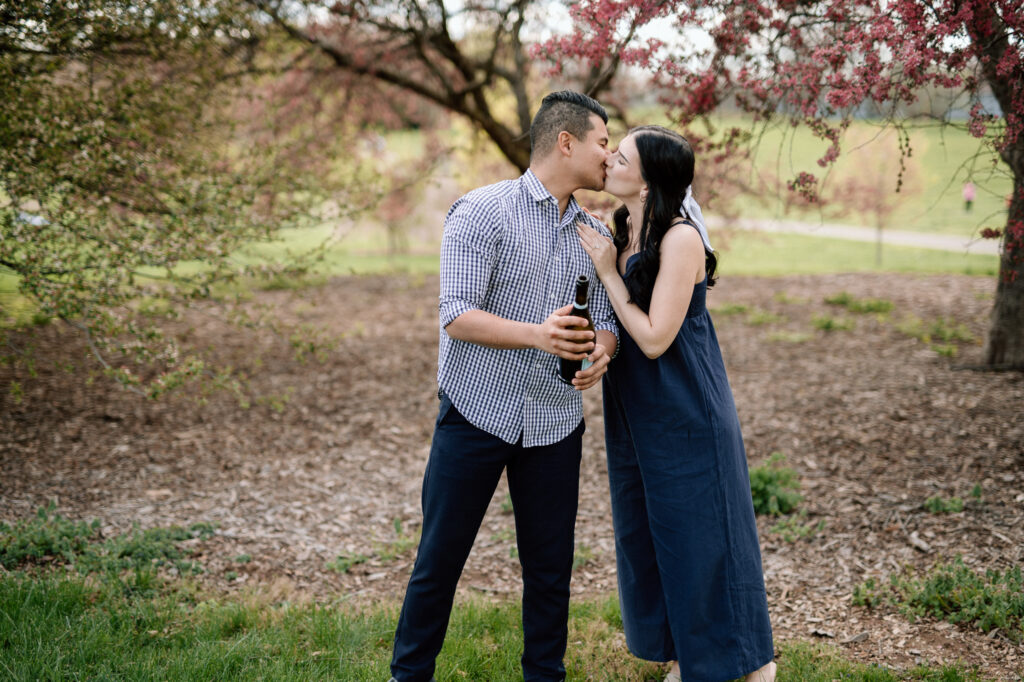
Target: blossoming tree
817,61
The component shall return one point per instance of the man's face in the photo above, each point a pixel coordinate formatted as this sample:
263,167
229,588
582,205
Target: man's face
589,155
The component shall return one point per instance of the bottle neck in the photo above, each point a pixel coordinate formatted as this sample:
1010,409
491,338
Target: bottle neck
581,297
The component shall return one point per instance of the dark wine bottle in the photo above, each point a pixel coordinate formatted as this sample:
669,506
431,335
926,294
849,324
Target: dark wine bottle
580,308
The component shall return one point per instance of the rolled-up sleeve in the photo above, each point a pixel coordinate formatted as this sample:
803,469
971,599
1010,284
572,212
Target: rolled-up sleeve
467,259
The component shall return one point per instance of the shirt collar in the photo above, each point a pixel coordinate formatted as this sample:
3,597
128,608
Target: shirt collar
536,188
541,194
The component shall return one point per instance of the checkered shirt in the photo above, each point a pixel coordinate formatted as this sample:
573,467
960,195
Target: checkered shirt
506,252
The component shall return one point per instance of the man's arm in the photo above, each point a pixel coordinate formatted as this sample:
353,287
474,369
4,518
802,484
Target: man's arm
554,335
467,261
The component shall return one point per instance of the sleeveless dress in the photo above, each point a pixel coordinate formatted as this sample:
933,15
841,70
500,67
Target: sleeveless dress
691,586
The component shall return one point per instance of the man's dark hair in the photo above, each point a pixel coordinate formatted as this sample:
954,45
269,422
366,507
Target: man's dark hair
564,110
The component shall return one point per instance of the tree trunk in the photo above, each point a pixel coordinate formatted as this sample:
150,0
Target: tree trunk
1004,348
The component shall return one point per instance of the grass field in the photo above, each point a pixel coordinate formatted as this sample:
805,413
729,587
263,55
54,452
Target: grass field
55,628
743,253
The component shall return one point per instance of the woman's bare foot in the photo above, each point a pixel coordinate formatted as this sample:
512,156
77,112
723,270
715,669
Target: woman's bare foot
764,674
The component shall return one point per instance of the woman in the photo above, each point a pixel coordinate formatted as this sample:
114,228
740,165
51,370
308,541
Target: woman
689,564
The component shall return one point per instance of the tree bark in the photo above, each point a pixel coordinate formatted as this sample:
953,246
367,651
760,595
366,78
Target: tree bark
1004,347
452,75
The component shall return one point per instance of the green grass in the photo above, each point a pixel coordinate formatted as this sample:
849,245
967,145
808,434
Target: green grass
859,305
827,323
941,330
132,616
783,254
59,628
745,254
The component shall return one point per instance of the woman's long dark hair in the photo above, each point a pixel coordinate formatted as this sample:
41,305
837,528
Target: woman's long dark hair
666,165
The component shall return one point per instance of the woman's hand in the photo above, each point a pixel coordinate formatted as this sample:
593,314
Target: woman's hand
600,249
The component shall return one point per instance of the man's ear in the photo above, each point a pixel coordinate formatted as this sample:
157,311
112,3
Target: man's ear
565,143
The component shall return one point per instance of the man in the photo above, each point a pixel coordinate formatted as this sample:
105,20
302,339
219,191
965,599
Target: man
510,258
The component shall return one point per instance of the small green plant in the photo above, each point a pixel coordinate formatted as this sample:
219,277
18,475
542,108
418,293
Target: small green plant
774,487
789,337
859,305
947,331
758,317
582,556
152,547
955,593
506,504
869,593
842,298
403,542
795,527
16,392
243,559
940,505
976,491
827,323
47,536
343,563
382,551
941,330
231,575
946,350
783,297
731,309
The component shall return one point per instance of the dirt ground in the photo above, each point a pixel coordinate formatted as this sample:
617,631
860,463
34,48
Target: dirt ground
873,420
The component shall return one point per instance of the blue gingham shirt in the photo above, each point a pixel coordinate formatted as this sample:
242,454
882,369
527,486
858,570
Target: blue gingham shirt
506,251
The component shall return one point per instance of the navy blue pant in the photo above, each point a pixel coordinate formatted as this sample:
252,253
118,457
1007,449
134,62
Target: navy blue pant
462,474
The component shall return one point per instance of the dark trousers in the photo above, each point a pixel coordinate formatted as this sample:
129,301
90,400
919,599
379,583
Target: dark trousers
462,474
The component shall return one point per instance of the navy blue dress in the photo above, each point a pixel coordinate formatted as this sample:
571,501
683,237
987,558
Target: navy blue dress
689,563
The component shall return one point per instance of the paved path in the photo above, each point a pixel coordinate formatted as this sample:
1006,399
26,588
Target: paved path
923,240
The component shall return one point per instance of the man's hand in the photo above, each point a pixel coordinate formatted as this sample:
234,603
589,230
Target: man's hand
592,375
555,336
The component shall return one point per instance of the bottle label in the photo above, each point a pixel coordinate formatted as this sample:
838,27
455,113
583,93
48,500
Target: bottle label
584,364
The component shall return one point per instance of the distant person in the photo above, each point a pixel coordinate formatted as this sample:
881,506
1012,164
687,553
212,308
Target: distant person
689,564
510,258
968,194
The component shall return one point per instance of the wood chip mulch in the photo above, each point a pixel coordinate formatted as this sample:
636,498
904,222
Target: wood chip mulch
874,420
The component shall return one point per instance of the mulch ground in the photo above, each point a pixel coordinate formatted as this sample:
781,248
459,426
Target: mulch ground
874,421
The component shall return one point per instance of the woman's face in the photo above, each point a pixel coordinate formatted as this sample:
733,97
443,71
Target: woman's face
623,179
